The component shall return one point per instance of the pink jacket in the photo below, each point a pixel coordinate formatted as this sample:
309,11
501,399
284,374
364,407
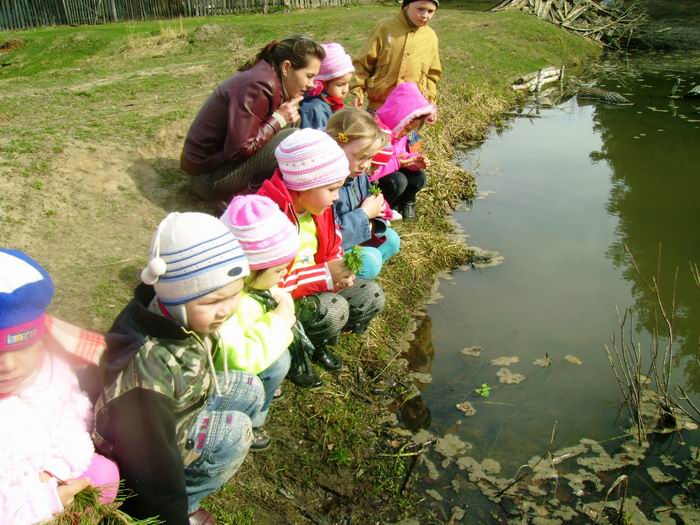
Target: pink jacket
403,104
45,428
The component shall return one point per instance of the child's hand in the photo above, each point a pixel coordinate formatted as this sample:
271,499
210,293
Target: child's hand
285,306
405,159
432,118
69,489
339,273
289,110
345,283
421,162
356,103
373,205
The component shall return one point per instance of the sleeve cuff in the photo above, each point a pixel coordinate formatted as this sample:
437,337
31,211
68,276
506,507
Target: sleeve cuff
280,119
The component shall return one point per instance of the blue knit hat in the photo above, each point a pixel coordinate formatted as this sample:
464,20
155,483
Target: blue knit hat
26,291
192,255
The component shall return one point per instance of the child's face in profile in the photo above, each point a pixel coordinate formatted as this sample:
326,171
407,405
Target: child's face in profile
316,200
414,125
18,366
358,158
420,13
206,314
270,277
339,87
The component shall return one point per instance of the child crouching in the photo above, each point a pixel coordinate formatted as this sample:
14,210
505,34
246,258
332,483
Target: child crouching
177,429
329,299
257,337
332,86
403,176
362,215
47,453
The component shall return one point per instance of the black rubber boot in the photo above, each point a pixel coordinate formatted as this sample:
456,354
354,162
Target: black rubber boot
408,211
301,372
327,359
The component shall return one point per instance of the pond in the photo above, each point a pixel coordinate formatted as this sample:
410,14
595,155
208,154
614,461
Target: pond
563,191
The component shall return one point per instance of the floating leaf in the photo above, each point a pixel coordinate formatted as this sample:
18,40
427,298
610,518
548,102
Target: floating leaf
657,476
508,377
484,390
505,361
473,351
450,446
353,259
434,494
572,359
544,362
467,408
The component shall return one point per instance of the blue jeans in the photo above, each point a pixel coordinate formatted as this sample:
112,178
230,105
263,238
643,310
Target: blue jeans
374,258
222,434
271,378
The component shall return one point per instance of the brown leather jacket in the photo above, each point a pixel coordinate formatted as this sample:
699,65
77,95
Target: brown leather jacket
235,121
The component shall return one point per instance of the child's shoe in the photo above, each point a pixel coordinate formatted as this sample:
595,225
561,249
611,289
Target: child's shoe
261,440
327,359
408,211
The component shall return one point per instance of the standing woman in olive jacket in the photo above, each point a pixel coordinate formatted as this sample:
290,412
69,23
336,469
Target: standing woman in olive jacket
230,146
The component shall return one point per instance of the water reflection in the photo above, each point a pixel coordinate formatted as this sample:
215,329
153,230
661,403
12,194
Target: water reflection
414,412
564,193
652,152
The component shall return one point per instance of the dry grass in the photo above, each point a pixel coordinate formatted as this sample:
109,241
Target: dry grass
168,40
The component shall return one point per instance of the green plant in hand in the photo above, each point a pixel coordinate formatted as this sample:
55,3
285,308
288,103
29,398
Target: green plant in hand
86,508
484,390
353,260
374,189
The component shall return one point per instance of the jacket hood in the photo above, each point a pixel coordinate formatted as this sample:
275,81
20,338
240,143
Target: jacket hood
275,189
129,331
403,104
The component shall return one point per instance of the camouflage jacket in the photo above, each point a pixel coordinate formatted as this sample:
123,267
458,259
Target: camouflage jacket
156,379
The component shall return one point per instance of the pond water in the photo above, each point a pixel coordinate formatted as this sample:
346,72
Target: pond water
563,190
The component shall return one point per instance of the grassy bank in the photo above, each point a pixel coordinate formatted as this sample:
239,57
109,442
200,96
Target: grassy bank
93,120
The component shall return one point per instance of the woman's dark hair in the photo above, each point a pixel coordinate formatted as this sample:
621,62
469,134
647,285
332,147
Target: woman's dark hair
296,49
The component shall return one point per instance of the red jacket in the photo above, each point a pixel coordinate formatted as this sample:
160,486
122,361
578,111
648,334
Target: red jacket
310,279
235,121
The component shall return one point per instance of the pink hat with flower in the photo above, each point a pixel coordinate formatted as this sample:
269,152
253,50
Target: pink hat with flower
336,64
267,236
310,158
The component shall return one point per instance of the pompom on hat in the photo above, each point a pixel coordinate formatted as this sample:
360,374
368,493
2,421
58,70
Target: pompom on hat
336,64
310,158
26,291
192,255
267,236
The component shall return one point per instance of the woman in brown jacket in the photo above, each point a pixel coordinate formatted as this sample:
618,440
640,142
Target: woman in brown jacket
230,146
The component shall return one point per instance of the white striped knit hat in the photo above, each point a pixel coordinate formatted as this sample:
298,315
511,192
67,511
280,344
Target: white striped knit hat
266,235
192,255
336,64
309,158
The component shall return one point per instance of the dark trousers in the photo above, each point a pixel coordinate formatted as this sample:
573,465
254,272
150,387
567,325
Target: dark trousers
224,183
401,186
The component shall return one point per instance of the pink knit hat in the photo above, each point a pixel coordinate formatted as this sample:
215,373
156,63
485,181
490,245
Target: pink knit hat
336,64
310,158
267,236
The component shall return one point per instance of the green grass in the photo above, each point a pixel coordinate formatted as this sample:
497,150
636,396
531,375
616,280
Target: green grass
93,119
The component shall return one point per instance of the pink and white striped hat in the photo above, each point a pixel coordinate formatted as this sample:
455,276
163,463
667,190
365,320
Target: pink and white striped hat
310,158
336,64
267,236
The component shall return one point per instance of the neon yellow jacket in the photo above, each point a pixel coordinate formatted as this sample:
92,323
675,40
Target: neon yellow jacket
252,339
396,52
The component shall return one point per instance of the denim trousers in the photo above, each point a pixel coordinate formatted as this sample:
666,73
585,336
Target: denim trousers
271,378
222,434
374,258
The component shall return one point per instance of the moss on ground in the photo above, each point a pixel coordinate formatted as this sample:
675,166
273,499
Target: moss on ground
93,120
